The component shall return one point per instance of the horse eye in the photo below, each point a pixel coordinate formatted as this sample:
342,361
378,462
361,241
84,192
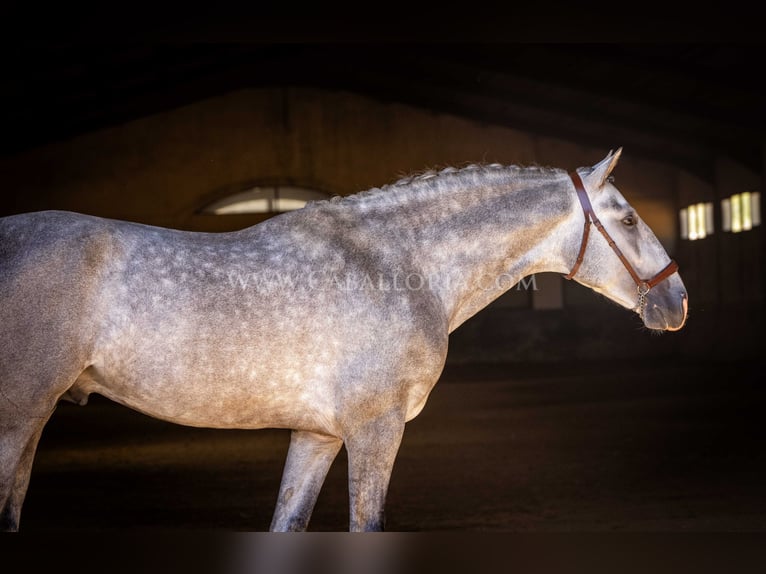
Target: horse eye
629,220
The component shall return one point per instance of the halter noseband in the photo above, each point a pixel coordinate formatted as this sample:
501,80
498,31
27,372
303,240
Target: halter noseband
643,285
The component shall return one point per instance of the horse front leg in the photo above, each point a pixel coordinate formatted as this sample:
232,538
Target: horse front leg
372,449
308,459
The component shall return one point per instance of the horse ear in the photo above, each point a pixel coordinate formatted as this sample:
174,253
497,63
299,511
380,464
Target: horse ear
599,172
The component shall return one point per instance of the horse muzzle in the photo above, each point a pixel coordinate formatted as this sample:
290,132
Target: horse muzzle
665,309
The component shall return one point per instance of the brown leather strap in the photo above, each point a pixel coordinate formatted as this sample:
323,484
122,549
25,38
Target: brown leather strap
590,217
586,206
670,268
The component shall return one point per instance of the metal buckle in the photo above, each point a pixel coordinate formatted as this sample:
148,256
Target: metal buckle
643,289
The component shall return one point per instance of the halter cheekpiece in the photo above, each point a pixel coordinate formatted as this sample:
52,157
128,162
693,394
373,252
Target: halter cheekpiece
643,285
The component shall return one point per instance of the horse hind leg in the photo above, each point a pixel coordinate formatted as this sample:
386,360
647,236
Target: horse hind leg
25,408
308,460
18,445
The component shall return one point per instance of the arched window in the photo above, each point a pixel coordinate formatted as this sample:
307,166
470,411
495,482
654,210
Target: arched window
265,199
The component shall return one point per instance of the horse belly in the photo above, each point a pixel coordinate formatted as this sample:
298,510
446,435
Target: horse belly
215,389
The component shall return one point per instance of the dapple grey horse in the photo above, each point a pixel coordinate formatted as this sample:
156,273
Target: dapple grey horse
332,320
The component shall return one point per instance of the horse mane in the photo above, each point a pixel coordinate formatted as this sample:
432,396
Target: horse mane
431,183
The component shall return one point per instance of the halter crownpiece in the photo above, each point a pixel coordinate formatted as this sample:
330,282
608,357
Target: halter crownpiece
643,285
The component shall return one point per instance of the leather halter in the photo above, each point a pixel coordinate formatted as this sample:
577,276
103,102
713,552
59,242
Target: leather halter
643,285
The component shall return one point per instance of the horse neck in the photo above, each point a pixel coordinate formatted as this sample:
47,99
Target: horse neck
471,236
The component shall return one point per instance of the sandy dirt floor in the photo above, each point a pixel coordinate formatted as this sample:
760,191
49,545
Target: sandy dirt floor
516,448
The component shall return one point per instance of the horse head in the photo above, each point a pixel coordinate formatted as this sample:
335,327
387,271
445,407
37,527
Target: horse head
625,262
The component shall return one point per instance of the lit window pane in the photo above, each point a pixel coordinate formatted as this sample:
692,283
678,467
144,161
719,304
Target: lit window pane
253,200
726,214
736,213
287,204
700,220
267,199
709,218
300,193
290,198
693,223
683,220
245,206
747,218
755,208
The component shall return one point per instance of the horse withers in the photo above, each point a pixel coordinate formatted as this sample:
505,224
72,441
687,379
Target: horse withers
332,320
